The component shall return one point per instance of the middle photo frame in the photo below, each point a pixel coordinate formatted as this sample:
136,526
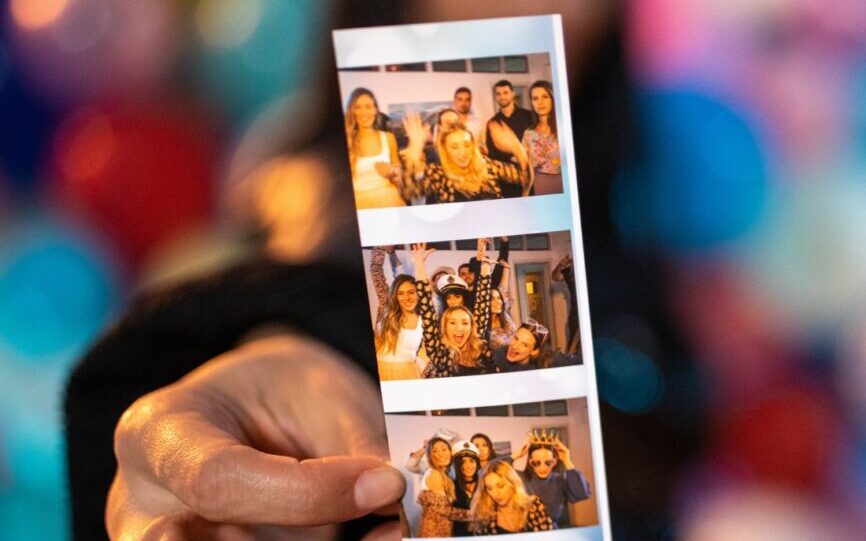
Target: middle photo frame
503,309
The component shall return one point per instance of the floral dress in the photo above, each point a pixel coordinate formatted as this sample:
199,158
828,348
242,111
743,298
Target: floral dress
438,514
442,189
537,520
442,359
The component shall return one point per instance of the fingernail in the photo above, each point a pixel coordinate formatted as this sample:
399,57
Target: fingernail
377,488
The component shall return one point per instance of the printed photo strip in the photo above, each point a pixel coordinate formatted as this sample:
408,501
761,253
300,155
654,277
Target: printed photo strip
473,306
452,131
495,470
462,168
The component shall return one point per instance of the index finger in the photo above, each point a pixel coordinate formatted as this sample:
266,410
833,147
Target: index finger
222,480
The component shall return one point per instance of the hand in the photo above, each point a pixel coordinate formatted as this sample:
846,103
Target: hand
522,451
420,253
506,140
563,453
384,169
481,247
277,434
418,133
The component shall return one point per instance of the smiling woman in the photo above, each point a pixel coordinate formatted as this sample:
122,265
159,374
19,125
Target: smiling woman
372,154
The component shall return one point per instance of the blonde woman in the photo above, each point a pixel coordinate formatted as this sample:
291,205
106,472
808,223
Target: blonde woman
454,346
376,172
503,505
464,174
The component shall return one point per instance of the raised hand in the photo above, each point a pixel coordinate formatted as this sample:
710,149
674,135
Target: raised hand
420,253
418,133
506,140
563,453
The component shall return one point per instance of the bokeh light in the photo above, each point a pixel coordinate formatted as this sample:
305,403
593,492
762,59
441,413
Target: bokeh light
757,514
56,291
74,50
627,379
141,173
35,14
701,180
785,437
256,52
808,261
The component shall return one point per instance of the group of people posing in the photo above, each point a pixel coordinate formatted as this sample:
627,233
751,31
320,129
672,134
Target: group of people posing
466,489
513,154
453,324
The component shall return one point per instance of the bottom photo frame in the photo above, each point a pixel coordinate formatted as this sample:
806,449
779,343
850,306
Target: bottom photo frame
496,469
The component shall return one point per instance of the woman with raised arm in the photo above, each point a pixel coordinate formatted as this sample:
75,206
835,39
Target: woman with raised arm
376,171
502,327
541,140
502,504
463,174
454,344
544,451
398,331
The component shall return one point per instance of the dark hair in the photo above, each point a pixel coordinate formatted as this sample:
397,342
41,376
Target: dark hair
489,442
535,447
461,90
551,118
467,265
442,112
503,82
463,501
544,357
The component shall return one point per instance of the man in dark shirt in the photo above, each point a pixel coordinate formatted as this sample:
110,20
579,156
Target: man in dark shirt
516,118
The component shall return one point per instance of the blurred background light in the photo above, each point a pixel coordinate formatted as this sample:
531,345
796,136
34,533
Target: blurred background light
627,379
35,14
77,50
142,173
56,290
251,55
754,513
701,180
808,261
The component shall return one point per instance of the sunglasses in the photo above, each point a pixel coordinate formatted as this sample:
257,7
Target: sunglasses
537,328
550,462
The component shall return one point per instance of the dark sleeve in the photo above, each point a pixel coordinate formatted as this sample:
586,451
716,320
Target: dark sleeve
440,358
496,275
576,486
167,333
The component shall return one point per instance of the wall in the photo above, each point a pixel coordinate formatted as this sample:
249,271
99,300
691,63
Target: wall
410,87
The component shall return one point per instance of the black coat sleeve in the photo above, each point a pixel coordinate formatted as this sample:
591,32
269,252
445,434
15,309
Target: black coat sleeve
167,333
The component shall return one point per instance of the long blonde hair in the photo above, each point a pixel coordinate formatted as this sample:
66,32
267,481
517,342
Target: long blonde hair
477,167
392,323
483,506
352,126
474,343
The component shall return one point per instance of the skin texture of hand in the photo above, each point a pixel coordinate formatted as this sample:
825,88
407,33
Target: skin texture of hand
264,442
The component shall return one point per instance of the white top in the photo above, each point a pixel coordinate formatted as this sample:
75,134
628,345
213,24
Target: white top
366,177
408,343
